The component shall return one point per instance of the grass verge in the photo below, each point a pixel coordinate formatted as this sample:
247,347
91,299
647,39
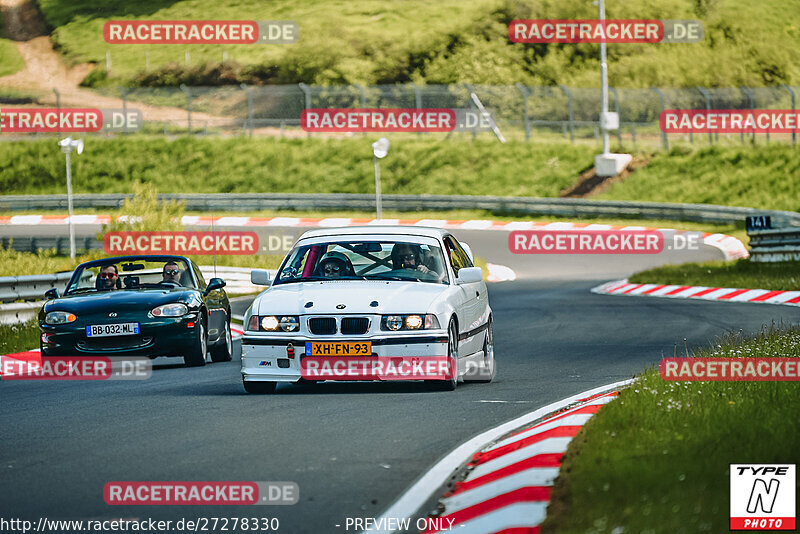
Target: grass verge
743,274
19,337
656,460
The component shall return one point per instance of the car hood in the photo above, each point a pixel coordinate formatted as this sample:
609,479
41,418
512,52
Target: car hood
355,295
120,300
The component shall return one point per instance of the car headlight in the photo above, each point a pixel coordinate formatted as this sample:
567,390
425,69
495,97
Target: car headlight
60,317
274,323
410,322
269,323
170,310
393,322
413,322
289,323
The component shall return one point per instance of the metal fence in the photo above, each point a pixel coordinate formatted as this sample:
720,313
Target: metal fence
522,112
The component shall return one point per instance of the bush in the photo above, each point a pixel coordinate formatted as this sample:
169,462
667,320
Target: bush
143,212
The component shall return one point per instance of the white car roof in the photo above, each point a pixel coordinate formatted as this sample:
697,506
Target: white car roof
378,230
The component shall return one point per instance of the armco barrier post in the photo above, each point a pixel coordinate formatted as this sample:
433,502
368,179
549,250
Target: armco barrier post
525,94
188,92
570,112
791,93
707,97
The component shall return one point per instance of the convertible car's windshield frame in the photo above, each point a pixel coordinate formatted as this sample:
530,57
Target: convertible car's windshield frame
133,273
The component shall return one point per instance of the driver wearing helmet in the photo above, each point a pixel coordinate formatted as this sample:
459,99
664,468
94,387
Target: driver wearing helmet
335,265
408,256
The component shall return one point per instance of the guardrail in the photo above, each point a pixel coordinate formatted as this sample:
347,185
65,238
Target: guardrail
567,207
59,243
30,289
775,244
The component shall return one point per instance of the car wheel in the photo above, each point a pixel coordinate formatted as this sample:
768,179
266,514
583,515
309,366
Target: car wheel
450,383
260,388
223,352
196,357
487,372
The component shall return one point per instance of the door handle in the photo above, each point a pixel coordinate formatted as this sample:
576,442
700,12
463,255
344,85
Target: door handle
478,294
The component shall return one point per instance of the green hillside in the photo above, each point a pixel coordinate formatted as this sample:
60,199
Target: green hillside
448,41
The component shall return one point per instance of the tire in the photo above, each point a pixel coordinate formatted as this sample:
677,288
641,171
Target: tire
196,356
449,384
488,357
259,388
223,352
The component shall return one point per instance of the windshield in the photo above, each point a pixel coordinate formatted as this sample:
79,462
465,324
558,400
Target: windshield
132,275
416,261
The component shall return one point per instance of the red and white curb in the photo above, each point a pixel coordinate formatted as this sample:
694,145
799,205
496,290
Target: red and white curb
725,294
730,246
507,486
34,357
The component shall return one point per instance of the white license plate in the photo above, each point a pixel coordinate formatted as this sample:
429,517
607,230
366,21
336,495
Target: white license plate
116,329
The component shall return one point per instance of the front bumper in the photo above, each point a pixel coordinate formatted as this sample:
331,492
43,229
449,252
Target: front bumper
266,357
166,336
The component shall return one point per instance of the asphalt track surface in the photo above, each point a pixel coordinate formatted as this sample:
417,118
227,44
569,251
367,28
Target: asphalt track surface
352,448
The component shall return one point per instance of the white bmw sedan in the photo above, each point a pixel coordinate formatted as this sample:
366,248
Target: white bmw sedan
370,303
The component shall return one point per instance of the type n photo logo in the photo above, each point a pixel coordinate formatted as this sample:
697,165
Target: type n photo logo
763,497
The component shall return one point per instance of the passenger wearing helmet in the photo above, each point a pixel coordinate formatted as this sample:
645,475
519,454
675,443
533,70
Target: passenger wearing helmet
408,256
335,265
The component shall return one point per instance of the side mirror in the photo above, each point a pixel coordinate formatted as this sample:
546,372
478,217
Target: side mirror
468,250
469,275
259,277
213,284
51,293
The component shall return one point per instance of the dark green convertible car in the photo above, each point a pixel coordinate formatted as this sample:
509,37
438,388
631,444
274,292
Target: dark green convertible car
138,306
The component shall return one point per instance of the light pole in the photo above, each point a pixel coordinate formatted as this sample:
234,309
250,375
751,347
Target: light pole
607,164
379,150
601,14
67,145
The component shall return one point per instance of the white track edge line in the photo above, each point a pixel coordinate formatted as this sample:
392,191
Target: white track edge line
421,490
